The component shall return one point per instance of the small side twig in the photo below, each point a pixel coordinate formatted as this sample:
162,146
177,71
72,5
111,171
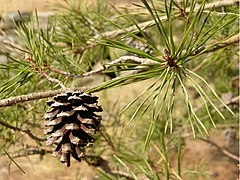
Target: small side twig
223,151
41,71
31,150
27,131
233,40
8,42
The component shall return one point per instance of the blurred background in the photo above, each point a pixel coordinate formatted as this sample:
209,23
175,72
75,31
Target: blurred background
41,5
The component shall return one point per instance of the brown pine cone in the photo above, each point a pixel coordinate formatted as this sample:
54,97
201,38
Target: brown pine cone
71,121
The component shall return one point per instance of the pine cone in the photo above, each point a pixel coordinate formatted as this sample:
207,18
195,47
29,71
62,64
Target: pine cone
71,121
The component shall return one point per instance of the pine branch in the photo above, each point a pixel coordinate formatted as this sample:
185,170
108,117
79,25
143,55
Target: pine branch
224,151
40,95
233,40
122,59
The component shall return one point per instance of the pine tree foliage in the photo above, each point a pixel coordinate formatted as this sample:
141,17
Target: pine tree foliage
184,51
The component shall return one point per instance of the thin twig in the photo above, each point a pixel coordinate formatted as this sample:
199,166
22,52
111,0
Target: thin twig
2,32
59,71
210,48
121,59
27,131
224,151
8,42
41,71
31,150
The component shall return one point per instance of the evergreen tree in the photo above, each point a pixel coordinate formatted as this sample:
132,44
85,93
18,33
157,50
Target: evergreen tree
184,54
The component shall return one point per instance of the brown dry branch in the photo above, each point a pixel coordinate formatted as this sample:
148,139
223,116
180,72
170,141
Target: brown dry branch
222,150
234,100
12,44
31,150
27,131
